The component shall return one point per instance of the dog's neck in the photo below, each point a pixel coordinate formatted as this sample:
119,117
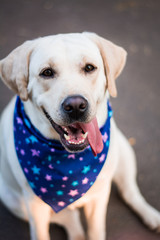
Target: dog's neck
38,119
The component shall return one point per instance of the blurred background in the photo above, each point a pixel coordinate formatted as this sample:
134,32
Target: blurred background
134,25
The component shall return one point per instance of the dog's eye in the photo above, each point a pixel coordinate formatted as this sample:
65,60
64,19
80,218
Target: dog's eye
89,68
47,73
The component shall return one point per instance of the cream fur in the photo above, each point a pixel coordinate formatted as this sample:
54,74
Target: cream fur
67,54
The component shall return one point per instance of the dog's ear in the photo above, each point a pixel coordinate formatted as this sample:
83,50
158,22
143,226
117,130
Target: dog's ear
114,58
14,69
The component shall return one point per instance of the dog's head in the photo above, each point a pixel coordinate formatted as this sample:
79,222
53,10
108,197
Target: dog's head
66,77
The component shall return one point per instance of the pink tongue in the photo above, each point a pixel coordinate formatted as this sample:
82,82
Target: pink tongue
94,135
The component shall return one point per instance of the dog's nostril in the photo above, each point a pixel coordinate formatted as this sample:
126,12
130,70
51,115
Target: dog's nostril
75,106
67,107
82,106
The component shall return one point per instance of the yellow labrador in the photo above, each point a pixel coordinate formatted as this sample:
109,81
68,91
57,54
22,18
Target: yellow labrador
64,82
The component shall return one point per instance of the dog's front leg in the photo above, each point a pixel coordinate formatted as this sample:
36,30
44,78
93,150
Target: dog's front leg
95,212
70,220
39,214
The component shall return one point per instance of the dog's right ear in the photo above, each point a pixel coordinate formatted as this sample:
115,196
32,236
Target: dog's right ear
14,69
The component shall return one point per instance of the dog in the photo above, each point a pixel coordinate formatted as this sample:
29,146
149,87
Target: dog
64,82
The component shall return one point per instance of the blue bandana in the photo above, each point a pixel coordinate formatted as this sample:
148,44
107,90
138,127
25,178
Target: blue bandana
56,176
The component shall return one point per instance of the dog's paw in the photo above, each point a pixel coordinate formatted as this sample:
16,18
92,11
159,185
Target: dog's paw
152,220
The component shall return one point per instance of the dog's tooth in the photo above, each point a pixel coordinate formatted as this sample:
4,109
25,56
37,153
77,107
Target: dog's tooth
65,129
85,135
75,143
66,137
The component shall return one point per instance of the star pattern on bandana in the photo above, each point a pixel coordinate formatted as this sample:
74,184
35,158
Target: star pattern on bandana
102,158
75,183
61,204
48,177
85,180
86,169
35,169
73,193
59,178
35,152
105,137
71,156
22,152
32,185
43,190
19,121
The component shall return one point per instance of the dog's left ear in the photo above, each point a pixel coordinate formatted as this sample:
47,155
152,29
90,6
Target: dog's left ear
14,69
114,58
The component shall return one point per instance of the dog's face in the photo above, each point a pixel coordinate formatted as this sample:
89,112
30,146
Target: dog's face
64,72
66,78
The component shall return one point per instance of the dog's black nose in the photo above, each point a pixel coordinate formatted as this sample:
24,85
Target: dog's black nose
75,107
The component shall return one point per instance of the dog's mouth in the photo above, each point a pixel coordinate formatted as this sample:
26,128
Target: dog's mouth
77,136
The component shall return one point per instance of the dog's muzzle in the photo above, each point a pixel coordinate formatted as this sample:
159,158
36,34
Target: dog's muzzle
76,133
